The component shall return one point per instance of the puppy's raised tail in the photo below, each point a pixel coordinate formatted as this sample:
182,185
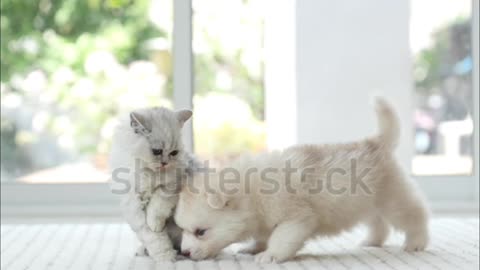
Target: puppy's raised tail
388,122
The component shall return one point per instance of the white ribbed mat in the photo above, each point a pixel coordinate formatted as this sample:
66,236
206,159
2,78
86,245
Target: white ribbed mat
454,245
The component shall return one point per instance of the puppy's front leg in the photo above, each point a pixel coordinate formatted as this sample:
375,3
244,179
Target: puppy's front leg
287,238
255,248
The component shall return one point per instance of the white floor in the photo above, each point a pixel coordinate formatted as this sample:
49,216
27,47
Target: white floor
106,245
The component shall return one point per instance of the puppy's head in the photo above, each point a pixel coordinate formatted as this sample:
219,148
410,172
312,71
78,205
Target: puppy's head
210,219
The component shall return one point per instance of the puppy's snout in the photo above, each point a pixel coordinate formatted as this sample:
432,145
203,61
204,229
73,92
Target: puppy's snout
186,253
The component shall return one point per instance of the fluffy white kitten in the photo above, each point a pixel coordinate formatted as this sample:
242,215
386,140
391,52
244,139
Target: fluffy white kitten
148,164
333,188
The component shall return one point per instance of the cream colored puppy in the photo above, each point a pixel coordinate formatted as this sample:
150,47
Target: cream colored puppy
282,199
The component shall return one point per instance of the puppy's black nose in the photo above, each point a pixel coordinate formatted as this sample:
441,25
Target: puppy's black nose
157,152
186,253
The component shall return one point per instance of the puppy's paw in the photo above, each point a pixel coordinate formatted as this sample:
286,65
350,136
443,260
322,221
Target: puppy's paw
155,224
266,257
415,246
417,243
165,257
372,243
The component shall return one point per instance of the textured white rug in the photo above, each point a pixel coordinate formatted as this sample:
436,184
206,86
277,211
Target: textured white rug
454,245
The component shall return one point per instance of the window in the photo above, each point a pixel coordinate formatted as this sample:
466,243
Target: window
229,80
441,42
69,69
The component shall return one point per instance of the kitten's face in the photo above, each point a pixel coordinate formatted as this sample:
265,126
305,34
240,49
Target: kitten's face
160,129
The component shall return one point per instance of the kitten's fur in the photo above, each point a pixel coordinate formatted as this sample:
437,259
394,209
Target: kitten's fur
154,180
281,221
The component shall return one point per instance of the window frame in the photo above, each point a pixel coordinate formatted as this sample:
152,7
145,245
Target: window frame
20,199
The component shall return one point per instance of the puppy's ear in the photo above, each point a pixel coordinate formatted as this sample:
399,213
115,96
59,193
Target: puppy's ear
183,116
139,122
216,200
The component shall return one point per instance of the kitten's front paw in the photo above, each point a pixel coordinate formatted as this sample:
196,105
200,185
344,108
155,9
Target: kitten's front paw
265,257
155,224
165,257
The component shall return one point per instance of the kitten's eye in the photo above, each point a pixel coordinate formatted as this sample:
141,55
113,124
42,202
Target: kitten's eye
157,152
174,153
200,232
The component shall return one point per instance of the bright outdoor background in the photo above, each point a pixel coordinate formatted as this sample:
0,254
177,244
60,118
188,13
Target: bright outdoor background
70,67
440,38
229,94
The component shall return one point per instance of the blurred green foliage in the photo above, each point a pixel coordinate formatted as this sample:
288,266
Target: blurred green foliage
443,85
452,44
69,67
43,34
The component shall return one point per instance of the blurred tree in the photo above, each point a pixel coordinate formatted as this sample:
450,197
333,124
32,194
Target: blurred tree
443,80
62,62
78,26
445,68
69,67
233,60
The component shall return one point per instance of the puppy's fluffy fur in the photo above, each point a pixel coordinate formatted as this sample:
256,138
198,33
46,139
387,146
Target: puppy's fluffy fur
154,179
282,210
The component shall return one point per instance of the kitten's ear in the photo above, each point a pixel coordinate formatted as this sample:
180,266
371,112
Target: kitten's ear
139,122
183,116
216,200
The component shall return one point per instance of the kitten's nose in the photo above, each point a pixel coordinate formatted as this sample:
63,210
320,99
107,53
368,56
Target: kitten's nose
164,163
186,253
157,152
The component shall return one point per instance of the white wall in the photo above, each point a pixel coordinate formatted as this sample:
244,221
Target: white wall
344,52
